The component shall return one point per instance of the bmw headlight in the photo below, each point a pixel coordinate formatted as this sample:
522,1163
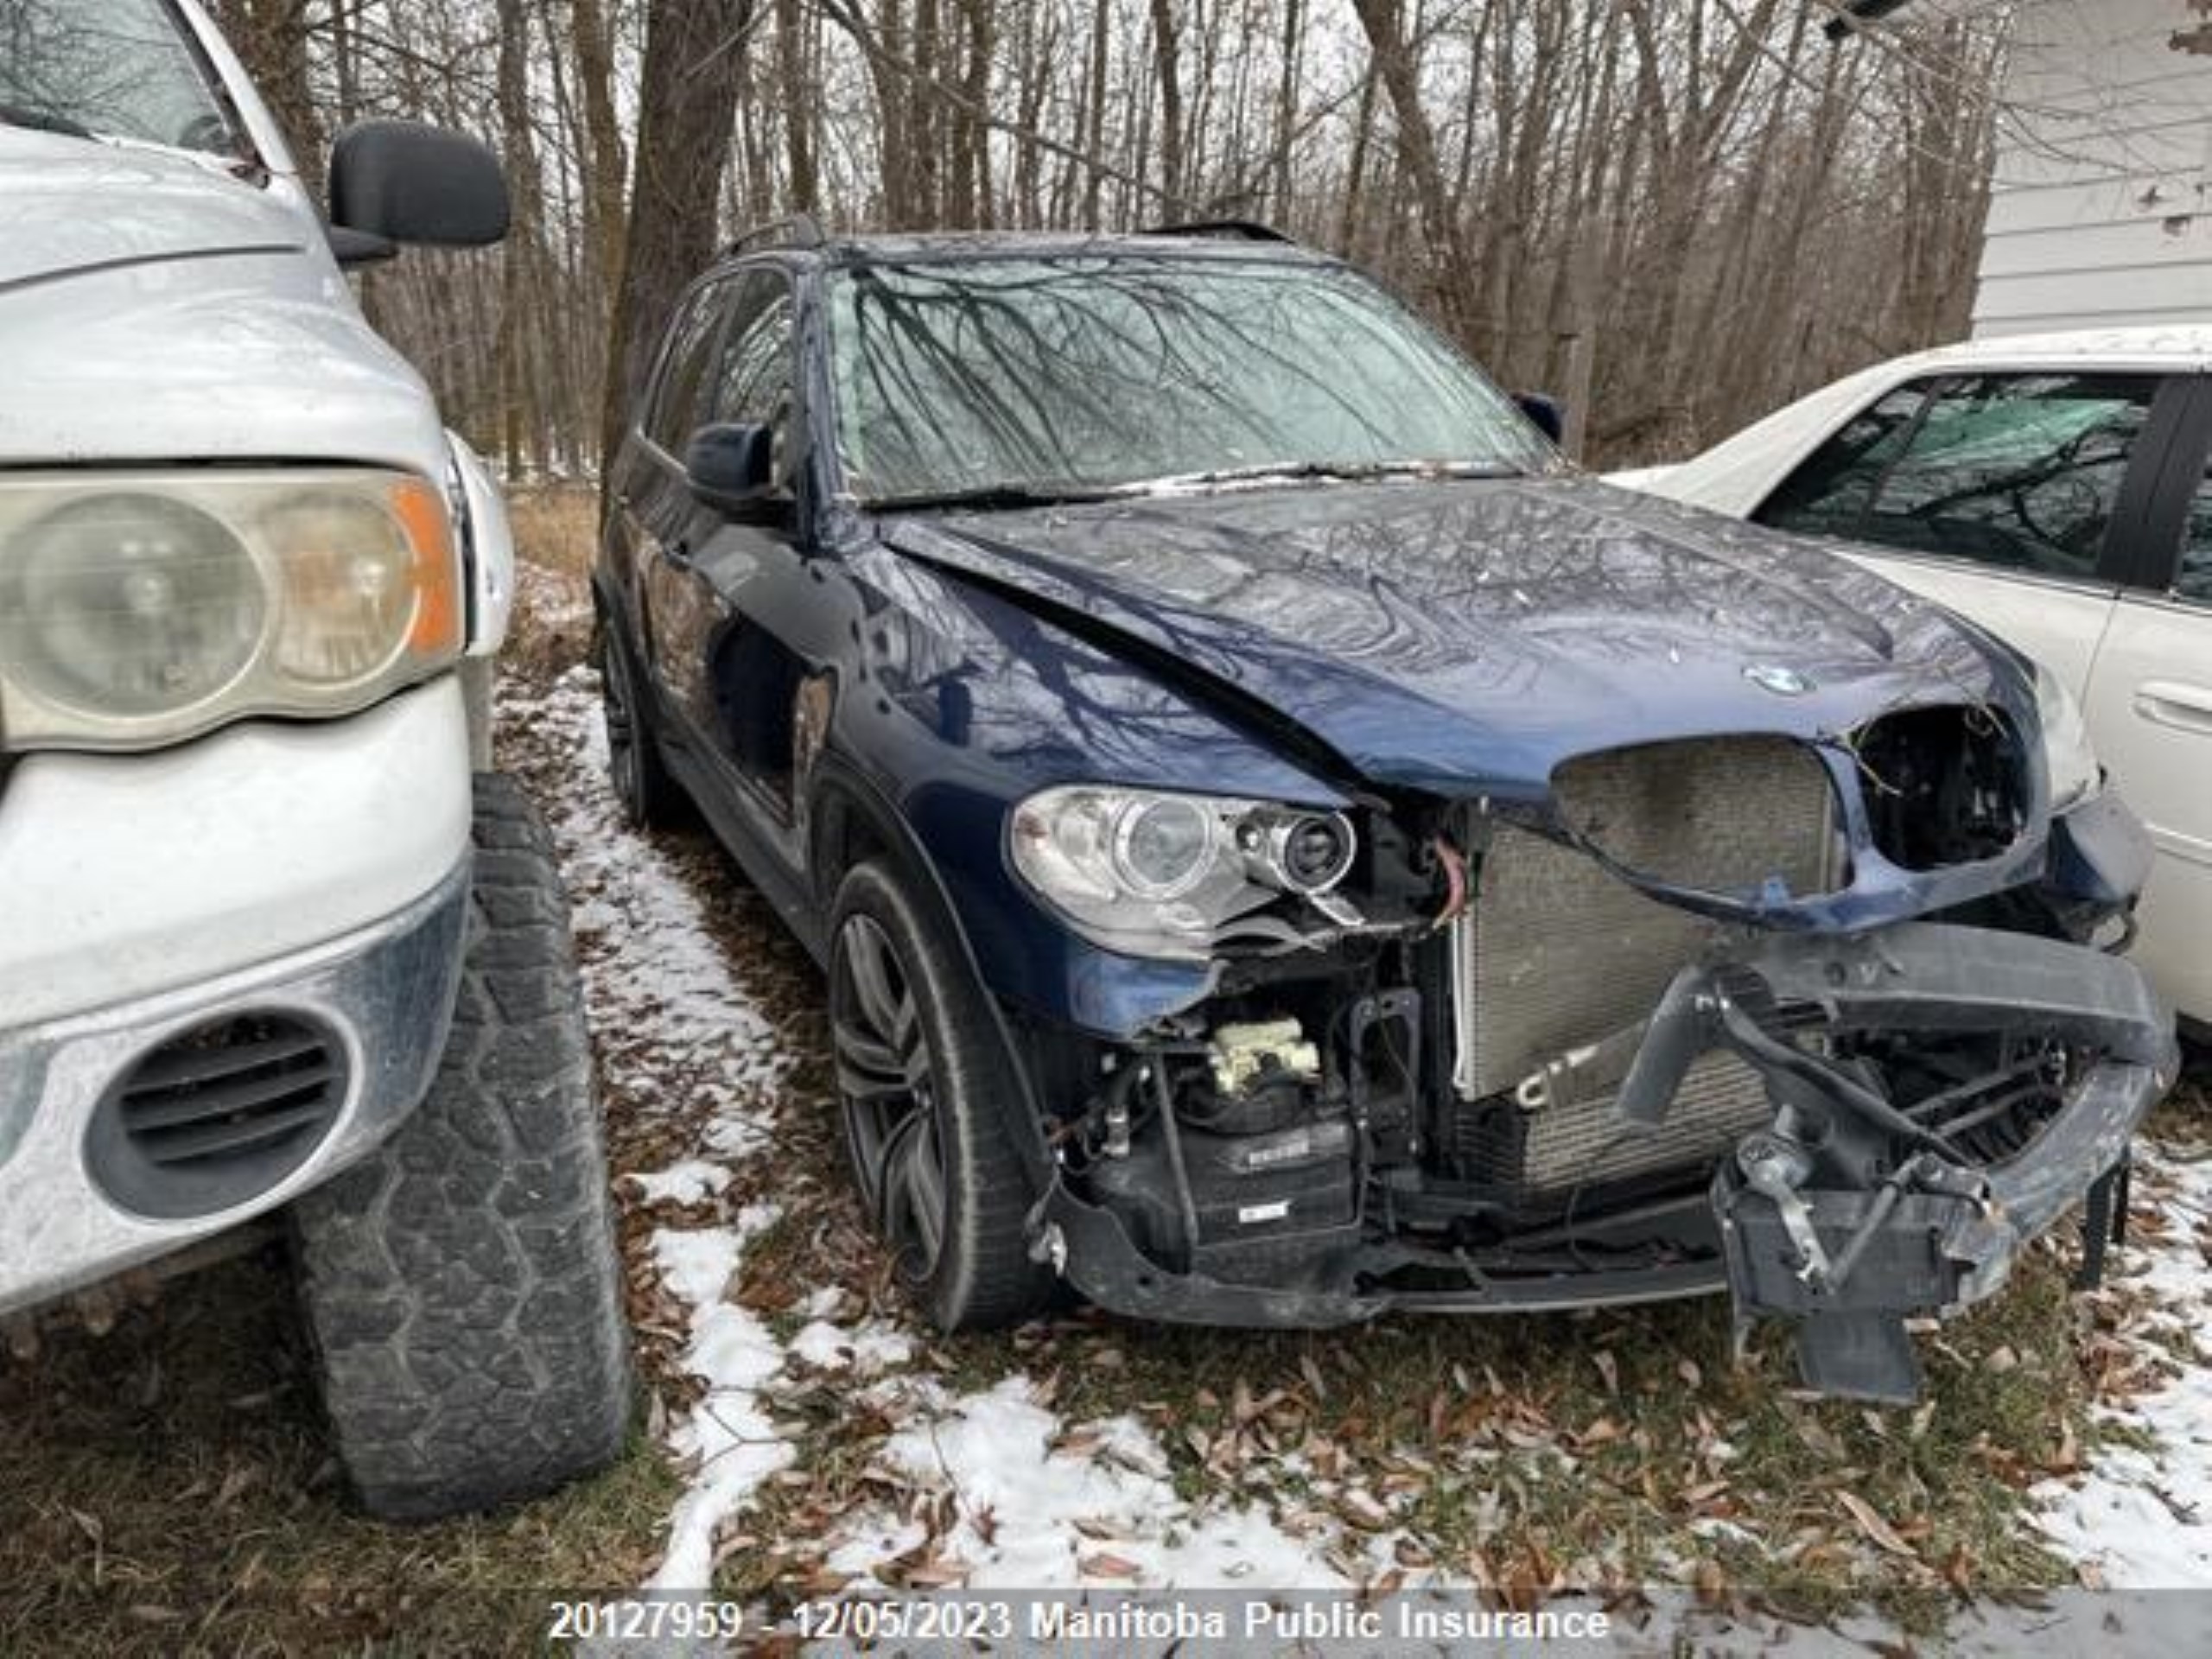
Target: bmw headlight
1154,873
144,608
2067,755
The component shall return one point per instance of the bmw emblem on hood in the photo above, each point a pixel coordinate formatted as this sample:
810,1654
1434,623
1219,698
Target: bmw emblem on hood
1783,682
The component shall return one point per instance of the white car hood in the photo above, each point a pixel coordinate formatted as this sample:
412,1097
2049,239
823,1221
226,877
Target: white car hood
69,206
155,309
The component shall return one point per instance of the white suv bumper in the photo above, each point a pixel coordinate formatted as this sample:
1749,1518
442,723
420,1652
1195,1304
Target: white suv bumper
310,882
125,876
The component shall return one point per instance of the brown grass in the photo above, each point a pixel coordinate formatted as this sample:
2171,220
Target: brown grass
557,536
168,1489
556,528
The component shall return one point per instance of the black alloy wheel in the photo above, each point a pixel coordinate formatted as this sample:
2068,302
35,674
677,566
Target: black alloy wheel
888,1089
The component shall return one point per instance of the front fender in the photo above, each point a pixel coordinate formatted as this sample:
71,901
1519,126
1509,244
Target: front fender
487,542
960,706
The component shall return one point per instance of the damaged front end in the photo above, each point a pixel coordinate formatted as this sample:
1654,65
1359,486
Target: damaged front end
1833,1024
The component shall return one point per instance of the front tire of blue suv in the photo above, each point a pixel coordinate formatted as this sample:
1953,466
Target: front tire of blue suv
921,1072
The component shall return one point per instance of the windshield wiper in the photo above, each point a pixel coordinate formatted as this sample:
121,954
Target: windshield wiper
1293,471
991,497
21,115
997,498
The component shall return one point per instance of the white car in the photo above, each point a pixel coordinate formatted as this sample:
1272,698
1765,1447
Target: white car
278,953
2054,489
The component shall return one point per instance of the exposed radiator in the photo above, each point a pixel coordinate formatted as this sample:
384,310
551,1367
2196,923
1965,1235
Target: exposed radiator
1556,952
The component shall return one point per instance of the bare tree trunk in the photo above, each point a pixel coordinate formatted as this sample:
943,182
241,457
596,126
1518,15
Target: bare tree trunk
1285,129
595,58
1164,31
684,132
1093,136
517,392
798,103
1453,264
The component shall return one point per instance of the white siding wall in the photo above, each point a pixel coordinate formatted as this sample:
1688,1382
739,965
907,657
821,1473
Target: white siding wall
2102,210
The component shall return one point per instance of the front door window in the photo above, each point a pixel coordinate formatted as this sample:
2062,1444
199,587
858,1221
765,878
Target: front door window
2016,472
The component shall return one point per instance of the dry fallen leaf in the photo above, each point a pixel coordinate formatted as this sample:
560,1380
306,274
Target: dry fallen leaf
1874,1527
1313,1375
936,1575
1103,1566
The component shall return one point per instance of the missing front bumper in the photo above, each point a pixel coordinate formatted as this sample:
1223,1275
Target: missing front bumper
1913,1231
1849,1223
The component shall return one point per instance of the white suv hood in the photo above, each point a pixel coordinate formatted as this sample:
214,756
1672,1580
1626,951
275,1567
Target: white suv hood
153,310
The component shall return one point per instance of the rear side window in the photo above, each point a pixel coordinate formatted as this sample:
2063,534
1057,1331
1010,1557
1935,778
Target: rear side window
2015,472
679,400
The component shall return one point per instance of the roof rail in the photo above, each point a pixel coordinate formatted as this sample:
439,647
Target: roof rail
797,230
1226,230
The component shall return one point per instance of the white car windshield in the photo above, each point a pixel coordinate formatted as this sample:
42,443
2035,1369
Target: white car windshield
126,69
1091,373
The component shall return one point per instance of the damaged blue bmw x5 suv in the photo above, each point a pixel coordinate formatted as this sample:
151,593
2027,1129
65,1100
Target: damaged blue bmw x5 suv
1286,847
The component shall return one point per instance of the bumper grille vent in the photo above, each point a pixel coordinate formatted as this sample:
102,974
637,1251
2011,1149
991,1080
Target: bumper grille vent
218,1114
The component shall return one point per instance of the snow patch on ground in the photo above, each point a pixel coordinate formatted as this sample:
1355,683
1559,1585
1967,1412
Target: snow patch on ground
1033,1506
729,1443
692,1181
870,1350
2143,1518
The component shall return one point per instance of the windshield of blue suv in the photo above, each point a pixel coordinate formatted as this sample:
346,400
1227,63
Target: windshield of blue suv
1069,376
124,69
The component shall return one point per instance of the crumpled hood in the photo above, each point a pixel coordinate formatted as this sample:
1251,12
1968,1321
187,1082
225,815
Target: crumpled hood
1467,635
153,310
67,205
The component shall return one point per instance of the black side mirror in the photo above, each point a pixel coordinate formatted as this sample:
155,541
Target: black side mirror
1545,412
730,468
396,181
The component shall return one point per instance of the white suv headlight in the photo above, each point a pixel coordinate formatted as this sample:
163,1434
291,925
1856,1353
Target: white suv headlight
1153,873
2066,752
143,608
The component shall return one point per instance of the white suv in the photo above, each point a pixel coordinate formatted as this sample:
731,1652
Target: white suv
275,947
2054,489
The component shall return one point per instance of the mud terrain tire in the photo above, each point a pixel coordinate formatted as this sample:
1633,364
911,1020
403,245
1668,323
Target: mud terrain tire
461,1286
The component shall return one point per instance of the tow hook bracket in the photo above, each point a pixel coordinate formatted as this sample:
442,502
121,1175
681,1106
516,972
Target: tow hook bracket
1848,1266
